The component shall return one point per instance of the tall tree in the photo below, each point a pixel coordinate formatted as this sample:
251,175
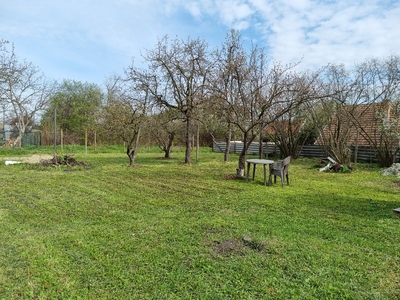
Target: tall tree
229,58
23,87
125,112
177,78
254,91
287,129
76,104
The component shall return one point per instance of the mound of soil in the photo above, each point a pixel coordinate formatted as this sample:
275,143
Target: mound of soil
66,160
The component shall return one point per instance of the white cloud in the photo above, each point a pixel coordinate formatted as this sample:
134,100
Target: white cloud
326,32
90,39
234,13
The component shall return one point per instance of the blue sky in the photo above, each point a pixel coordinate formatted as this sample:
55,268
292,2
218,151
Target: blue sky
88,40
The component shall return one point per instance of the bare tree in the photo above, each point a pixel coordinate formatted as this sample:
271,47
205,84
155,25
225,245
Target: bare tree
179,70
230,58
288,130
287,133
363,104
377,92
334,126
255,94
125,112
164,126
24,88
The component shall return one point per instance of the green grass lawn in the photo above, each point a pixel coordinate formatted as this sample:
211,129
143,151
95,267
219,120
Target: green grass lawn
166,230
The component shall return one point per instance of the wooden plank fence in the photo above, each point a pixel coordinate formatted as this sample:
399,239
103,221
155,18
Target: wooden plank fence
365,154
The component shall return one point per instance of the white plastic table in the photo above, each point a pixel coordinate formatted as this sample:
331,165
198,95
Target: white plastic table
255,162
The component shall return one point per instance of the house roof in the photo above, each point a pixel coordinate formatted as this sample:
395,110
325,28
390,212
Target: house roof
358,122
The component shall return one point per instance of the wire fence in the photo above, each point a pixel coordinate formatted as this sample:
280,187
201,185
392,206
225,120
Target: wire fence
7,138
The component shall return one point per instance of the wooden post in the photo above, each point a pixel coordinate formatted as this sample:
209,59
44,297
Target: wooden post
95,141
62,140
86,141
55,133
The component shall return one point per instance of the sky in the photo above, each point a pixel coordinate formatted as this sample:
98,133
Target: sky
90,40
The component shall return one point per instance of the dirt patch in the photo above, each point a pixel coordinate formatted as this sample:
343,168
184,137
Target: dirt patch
228,247
34,159
237,246
233,176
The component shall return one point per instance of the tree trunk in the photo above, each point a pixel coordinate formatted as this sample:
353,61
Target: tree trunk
132,155
228,142
167,149
133,147
261,145
240,171
18,141
167,153
242,158
386,157
188,140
